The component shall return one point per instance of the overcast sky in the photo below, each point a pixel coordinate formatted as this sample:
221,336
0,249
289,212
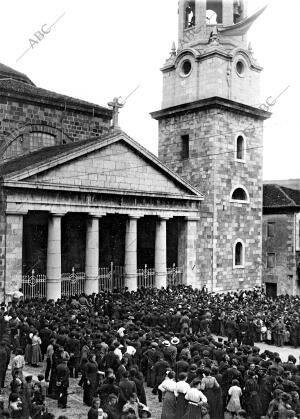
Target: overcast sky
105,48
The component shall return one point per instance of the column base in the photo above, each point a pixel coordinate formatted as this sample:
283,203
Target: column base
161,280
53,289
91,285
131,282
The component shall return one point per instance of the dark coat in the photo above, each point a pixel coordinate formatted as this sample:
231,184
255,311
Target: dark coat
63,374
160,369
127,388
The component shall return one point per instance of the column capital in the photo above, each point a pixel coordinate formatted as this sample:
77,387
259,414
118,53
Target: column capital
16,212
56,214
95,215
163,217
134,216
192,218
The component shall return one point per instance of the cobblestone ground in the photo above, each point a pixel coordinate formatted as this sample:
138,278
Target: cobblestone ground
78,410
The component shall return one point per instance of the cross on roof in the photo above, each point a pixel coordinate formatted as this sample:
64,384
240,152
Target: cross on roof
115,105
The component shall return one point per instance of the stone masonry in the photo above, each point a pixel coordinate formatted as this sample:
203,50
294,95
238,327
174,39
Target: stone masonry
282,246
67,125
213,168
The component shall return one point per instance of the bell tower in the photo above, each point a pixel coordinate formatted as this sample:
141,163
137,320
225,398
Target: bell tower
211,131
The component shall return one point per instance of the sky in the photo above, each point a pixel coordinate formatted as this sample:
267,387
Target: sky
99,49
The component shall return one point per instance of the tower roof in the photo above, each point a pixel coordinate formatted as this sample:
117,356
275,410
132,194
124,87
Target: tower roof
9,73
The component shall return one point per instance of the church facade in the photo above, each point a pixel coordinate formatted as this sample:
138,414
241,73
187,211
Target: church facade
78,193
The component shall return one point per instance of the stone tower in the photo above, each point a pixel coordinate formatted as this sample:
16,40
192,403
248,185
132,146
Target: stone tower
211,132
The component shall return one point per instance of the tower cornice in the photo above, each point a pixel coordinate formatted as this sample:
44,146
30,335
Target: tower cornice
212,103
208,53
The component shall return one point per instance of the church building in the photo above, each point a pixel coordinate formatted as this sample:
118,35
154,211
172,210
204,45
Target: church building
82,203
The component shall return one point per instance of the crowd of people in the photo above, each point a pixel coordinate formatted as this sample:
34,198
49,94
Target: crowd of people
194,350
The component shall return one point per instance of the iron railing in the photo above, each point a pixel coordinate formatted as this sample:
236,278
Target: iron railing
146,277
174,275
111,277
34,286
72,283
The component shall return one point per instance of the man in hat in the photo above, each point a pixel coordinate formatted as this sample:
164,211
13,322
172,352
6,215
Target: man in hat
290,365
151,355
274,404
170,351
181,365
111,407
127,389
159,370
62,383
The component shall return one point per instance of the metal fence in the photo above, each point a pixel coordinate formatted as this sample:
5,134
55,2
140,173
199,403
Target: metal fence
174,275
34,286
72,283
146,277
111,277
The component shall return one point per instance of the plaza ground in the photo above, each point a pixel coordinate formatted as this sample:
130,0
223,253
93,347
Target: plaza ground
78,410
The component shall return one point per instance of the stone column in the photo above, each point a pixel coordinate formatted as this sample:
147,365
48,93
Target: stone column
92,255
14,252
191,270
160,263
131,253
54,257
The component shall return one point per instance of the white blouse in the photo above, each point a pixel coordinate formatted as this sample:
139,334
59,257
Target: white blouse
196,396
182,387
167,385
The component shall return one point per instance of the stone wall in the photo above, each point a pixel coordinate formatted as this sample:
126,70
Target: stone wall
211,76
213,168
113,167
65,124
281,244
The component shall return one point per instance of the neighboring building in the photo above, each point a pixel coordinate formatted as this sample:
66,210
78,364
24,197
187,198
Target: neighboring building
288,183
281,245
78,193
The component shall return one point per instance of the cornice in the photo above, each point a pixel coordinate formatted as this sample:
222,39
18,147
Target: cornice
215,102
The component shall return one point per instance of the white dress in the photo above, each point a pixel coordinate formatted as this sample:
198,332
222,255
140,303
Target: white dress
234,404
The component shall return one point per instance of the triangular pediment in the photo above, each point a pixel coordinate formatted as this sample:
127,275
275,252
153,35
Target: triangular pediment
115,164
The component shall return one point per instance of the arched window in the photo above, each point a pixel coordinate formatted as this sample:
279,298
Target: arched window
240,148
31,138
29,142
189,14
239,194
214,12
238,254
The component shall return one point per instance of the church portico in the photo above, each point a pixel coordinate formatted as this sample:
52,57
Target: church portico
42,238
58,232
